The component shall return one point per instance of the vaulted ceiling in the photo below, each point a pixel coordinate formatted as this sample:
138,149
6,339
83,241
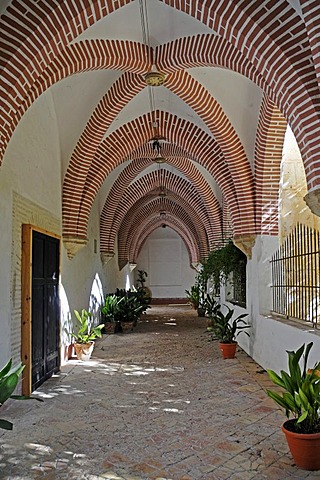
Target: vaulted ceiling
236,71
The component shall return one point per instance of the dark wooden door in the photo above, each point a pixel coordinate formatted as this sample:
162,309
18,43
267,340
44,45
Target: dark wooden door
45,307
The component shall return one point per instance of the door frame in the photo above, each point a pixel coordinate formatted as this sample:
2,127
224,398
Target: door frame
26,301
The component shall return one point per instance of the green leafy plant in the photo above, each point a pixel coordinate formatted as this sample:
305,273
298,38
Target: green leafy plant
131,308
86,333
133,304
111,307
9,378
212,307
222,261
227,329
301,397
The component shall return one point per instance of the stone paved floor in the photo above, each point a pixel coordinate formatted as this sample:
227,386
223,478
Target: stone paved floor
157,403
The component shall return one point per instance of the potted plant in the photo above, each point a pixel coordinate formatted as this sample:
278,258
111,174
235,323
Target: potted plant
131,308
301,399
9,378
110,310
227,329
86,334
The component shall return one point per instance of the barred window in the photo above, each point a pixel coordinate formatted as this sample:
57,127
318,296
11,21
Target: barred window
239,285
295,276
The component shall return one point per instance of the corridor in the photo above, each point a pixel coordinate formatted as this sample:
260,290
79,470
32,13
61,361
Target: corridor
157,403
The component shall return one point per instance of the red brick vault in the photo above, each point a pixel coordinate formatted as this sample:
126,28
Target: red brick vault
217,182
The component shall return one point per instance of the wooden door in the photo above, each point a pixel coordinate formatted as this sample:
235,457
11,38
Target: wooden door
40,307
45,307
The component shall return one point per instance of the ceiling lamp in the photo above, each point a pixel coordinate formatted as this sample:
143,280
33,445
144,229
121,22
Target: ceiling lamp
155,79
159,158
162,192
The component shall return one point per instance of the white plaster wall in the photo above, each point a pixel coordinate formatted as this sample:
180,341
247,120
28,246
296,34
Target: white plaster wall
162,283
31,169
270,336
30,192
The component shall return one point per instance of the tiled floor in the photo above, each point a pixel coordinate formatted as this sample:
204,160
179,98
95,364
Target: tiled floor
157,403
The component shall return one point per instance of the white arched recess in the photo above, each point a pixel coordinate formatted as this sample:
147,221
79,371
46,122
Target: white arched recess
270,335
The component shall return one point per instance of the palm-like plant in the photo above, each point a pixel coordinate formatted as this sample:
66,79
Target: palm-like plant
212,307
227,329
111,307
301,397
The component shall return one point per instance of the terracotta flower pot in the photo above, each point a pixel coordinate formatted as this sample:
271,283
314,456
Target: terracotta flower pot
228,350
127,326
109,327
84,350
304,448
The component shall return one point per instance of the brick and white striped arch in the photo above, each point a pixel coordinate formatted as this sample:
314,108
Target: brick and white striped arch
179,192
198,97
141,234
204,105
279,50
121,92
275,55
311,13
33,34
136,166
118,146
144,211
153,205
268,155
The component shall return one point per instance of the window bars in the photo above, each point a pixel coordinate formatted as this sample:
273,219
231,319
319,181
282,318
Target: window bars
295,276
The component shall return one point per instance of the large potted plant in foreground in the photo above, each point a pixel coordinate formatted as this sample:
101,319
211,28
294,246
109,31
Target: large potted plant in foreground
86,334
226,329
301,399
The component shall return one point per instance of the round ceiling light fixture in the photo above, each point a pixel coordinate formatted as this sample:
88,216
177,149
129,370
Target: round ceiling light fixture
162,192
155,79
159,159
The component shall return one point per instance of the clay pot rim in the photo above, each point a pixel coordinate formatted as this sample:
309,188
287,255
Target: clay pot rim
298,434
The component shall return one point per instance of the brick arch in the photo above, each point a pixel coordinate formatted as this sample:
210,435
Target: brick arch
118,146
179,192
121,92
52,29
40,32
195,95
152,223
136,166
311,14
145,210
77,58
142,209
291,86
268,155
